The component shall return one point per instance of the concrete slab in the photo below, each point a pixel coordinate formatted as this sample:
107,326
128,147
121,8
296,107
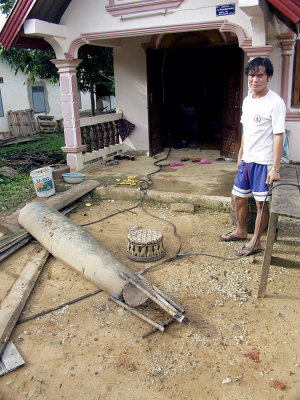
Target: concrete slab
200,184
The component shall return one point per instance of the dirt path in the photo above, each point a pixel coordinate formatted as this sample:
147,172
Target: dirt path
236,347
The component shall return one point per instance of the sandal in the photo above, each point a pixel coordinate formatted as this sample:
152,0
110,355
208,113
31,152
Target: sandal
229,237
246,251
204,161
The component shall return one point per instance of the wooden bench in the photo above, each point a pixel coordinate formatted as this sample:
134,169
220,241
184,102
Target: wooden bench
285,201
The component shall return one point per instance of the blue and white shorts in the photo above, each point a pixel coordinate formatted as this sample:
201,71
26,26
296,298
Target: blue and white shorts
251,180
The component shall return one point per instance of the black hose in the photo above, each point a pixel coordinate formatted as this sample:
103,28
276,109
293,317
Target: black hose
21,321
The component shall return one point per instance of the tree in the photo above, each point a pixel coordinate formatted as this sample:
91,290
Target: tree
33,63
6,6
95,69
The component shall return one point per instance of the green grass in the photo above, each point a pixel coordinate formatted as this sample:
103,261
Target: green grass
48,142
15,192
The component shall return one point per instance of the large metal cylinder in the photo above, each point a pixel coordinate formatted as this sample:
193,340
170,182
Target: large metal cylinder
73,245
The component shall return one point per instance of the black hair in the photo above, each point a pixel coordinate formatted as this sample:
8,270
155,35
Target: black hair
254,65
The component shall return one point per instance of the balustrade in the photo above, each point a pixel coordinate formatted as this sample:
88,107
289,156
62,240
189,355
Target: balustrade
99,136
103,135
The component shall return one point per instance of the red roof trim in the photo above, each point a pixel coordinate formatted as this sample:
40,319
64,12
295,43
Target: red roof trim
290,8
15,21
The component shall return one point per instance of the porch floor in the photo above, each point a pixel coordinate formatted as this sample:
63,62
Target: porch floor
190,182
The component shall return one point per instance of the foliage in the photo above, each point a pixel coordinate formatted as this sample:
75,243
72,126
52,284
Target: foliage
6,6
34,63
98,66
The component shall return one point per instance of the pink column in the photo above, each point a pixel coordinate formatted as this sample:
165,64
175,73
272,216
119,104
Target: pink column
287,42
255,51
70,112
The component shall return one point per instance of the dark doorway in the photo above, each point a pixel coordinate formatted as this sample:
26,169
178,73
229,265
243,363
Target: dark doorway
189,89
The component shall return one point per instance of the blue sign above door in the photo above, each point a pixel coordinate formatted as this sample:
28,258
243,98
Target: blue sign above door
226,9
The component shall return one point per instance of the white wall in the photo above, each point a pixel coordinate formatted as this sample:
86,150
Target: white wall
98,19
85,101
131,89
15,96
109,102
294,141
14,92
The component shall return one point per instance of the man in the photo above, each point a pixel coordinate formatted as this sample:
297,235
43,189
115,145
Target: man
263,120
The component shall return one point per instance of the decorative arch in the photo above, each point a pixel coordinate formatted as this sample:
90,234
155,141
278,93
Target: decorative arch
222,26
156,32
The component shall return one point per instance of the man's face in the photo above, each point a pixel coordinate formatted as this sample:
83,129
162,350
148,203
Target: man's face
258,81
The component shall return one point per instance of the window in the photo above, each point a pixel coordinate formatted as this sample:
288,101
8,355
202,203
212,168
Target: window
1,106
296,80
38,99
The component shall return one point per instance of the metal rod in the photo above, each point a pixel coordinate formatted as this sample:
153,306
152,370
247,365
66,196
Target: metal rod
124,305
155,330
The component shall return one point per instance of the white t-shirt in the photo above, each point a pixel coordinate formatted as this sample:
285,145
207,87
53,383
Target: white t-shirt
261,118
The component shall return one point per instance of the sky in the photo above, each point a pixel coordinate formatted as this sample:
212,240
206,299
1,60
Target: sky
2,20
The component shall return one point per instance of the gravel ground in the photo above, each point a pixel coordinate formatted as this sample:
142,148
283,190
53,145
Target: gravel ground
236,347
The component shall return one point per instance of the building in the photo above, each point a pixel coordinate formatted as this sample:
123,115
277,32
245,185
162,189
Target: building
178,63
17,93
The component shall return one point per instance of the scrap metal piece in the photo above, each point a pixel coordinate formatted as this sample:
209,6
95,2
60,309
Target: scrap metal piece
10,359
157,296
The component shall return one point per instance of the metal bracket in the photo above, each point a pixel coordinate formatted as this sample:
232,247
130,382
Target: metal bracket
157,296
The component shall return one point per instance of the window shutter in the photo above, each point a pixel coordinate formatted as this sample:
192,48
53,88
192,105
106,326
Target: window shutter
38,98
